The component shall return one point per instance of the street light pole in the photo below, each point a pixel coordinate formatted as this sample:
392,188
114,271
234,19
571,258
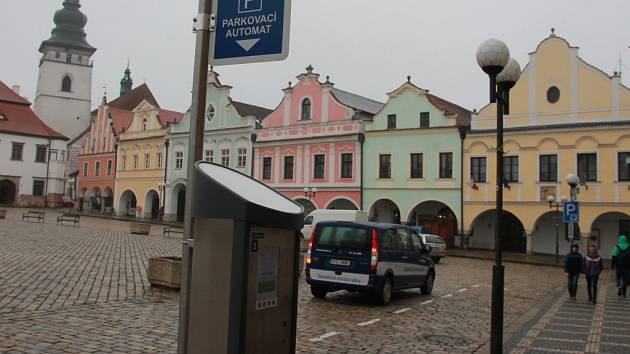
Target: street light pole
573,182
493,57
552,202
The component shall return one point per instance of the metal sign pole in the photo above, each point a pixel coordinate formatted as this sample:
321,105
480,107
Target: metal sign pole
195,152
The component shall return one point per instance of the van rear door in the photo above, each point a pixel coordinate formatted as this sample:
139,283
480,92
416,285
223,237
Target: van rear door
341,253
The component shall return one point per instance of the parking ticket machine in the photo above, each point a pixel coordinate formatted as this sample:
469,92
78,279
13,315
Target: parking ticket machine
244,280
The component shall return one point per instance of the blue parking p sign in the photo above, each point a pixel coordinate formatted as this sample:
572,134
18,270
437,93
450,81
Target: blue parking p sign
571,211
249,31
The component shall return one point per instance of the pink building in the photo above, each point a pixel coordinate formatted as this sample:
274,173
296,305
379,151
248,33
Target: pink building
312,141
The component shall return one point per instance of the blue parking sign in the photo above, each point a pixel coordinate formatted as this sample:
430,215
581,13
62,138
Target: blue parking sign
249,31
571,212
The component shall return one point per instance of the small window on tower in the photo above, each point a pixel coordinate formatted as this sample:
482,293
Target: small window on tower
66,84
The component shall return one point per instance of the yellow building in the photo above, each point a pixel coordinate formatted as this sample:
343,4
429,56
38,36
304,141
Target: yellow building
566,116
141,161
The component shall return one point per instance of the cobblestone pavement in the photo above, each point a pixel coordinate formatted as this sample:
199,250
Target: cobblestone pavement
66,290
580,327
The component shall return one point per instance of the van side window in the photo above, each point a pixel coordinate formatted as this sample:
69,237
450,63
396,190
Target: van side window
417,243
404,240
308,220
388,241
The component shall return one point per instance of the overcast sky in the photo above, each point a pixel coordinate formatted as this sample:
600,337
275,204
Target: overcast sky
367,47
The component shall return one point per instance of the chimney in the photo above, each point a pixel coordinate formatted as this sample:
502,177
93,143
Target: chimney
16,89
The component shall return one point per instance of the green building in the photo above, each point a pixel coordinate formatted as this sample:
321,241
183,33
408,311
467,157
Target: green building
412,161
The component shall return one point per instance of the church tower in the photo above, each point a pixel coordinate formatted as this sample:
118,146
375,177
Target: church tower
64,85
126,84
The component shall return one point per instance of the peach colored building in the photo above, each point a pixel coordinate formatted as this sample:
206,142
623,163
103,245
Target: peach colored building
313,140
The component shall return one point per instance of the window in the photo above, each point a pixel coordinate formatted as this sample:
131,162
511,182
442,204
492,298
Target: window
424,119
306,109
320,166
135,162
510,168
225,157
85,169
97,168
548,169
109,167
63,155
16,151
385,166
57,55
38,188
147,161
553,94
210,113
405,243
446,165
40,153
587,167
66,84
391,121
93,145
241,160
104,143
288,167
179,160
416,162
478,169
346,165
144,124
79,58
266,168
344,237
209,155
53,155
124,162
623,163
158,160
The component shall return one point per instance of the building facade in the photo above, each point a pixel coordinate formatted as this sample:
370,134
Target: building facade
411,161
313,140
32,155
229,128
566,116
140,161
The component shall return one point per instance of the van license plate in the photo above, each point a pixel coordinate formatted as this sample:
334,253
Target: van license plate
340,262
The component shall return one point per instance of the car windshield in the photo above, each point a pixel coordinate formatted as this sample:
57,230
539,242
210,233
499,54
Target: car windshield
434,239
331,236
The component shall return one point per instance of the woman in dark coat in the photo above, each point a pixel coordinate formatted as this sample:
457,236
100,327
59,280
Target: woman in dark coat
593,266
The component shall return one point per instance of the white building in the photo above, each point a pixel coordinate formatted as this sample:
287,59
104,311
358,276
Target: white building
64,85
32,155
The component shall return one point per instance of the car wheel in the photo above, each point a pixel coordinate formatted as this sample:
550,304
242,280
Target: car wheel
319,292
436,260
385,292
427,288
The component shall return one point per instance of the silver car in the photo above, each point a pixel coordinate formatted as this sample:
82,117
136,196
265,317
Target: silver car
438,246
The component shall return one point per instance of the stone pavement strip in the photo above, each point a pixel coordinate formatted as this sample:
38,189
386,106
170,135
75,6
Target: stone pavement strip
580,327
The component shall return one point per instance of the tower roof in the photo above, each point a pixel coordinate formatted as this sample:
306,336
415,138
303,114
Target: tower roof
126,83
69,29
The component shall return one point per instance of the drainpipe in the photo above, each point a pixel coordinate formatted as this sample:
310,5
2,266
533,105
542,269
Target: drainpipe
361,141
166,143
47,174
253,138
462,136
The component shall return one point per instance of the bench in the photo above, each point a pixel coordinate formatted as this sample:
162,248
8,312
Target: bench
68,217
38,215
169,230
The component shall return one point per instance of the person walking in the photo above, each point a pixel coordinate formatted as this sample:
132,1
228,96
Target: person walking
593,266
573,267
621,262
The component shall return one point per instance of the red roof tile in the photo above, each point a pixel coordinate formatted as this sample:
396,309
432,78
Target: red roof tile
167,117
20,119
132,99
121,119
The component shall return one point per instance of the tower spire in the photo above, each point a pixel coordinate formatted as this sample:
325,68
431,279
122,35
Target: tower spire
126,83
69,29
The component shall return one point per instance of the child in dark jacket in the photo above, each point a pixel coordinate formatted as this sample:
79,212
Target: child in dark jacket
593,266
573,267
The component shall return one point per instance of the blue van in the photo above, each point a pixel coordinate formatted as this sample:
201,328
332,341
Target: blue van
373,258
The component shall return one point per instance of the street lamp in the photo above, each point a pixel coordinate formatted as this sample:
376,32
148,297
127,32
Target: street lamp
552,203
310,192
573,181
493,56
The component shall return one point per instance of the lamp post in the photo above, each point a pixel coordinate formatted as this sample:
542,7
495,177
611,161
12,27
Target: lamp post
552,203
493,56
310,192
573,181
